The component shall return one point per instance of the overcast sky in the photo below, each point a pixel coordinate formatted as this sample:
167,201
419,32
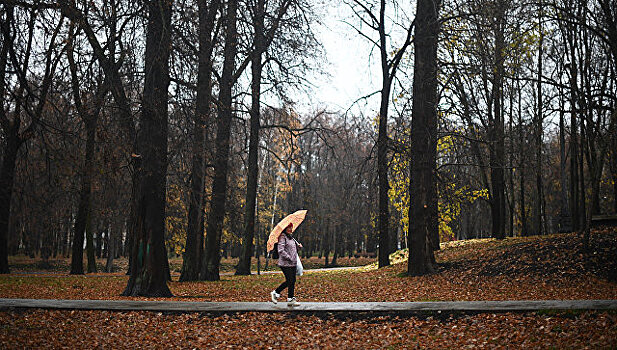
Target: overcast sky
350,72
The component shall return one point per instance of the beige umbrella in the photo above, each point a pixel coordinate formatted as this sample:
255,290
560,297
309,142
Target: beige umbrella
295,219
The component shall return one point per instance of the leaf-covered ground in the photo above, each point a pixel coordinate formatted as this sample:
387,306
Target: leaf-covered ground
550,267
553,267
25,264
129,330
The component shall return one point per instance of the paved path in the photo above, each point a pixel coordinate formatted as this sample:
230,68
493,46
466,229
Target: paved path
312,307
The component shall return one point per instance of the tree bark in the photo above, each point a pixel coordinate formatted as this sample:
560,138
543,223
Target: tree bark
538,198
382,147
212,258
423,139
7,177
335,233
194,234
13,143
574,149
433,222
83,211
565,222
521,165
497,151
613,168
581,177
244,263
149,271
90,243
111,248
511,153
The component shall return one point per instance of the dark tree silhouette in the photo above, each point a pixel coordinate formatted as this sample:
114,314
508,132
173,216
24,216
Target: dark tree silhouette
422,214
212,253
194,233
150,267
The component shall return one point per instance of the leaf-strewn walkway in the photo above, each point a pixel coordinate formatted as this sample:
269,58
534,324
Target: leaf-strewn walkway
387,307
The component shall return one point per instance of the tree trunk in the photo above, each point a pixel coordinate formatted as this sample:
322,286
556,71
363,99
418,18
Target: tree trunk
83,211
335,242
194,234
13,143
211,262
90,243
132,225
614,177
423,139
326,243
149,273
55,239
112,247
100,239
89,115
66,235
596,174
497,152
538,198
45,249
582,195
524,227
565,218
7,177
613,168
574,152
98,244
382,148
512,197
244,263
433,223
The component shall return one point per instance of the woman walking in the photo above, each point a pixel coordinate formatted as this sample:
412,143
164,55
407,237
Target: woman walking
288,260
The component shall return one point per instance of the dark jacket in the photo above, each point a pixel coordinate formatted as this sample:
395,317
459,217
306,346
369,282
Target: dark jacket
288,251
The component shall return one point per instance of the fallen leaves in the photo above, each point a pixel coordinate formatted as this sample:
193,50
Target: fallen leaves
24,264
533,268
88,329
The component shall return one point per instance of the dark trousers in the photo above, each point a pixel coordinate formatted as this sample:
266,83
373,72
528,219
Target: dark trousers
290,281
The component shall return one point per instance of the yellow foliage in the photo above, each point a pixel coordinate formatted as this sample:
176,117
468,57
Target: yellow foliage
175,221
449,195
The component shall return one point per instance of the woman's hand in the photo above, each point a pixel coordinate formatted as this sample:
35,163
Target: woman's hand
300,245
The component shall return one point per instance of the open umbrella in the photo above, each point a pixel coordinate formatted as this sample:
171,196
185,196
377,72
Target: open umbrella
295,219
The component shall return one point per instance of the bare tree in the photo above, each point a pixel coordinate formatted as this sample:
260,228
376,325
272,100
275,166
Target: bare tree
88,111
212,256
374,16
262,39
194,234
111,66
27,102
423,139
150,270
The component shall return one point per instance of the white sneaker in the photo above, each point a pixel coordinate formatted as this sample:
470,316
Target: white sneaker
274,296
292,302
